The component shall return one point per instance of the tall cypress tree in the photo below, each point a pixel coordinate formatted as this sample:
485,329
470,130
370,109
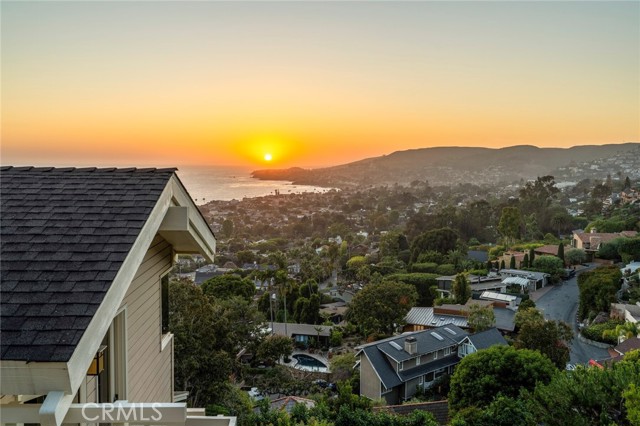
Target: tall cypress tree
512,262
561,251
525,261
532,256
502,264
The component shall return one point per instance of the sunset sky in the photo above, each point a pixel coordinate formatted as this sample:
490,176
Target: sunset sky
310,83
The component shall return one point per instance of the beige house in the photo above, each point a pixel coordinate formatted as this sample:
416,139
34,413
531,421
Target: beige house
591,241
84,308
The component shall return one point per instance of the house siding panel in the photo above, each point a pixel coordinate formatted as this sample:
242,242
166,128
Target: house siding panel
369,382
149,367
410,388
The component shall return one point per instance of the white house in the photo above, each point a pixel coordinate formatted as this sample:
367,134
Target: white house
84,308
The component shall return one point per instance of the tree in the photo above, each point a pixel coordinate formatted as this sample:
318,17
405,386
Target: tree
379,307
561,221
461,289
536,198
575,256
342,366
532,256
502,265
441,240
550,338
502,411
245,256
525,261
551,265
425,285
201,335
512,262
227,228
274,347
227,286
481,376
525,304
598,289
510,224
587,396
481,317
561,252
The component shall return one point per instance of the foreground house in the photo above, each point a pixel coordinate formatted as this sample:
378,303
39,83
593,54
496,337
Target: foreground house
394,368
84,311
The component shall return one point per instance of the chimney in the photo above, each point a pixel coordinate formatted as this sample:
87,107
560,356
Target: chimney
411,345
594,230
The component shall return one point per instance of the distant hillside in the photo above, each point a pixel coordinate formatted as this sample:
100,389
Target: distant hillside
449,165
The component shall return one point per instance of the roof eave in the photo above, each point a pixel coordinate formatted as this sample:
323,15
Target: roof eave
34,378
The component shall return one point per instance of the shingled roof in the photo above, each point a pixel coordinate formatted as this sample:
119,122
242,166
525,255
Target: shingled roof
64,234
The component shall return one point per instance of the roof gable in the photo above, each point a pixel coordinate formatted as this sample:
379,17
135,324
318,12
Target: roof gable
65,232
487,338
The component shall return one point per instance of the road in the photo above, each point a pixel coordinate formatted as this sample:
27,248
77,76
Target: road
561,303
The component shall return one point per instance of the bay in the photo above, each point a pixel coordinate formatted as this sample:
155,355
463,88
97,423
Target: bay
208,183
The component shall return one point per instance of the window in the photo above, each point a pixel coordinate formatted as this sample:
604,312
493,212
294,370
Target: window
164,283
421,380
400,365
447,351
435,355
418,360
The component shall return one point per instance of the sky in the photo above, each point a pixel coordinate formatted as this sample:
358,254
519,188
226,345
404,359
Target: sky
310,84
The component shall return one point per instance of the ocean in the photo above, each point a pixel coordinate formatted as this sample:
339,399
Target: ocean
207,183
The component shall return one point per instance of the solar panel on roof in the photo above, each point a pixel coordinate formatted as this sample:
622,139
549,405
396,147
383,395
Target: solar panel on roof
450,331
395,345
437,336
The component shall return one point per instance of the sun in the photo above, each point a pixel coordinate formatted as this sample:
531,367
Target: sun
268,157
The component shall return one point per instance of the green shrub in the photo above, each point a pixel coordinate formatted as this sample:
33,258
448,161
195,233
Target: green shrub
446,269
426,267
595,332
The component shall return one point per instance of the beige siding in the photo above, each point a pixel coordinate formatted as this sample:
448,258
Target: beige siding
369,382
150,377
90,386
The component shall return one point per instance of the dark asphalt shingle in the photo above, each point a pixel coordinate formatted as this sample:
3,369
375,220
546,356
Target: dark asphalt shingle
64,233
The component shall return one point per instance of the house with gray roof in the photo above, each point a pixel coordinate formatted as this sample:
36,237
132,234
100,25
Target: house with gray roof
86,254
393,369
482,340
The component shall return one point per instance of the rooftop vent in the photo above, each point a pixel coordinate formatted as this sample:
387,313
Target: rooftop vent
437,336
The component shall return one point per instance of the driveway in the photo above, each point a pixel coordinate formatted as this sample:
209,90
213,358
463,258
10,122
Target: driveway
561,303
